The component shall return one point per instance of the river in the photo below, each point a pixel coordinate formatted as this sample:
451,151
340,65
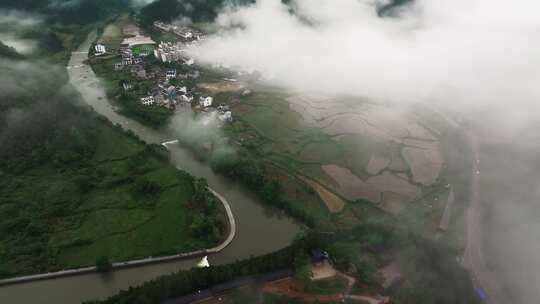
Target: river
260,229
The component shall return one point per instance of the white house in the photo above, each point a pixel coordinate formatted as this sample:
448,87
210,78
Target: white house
206,101
187,97
227,116
171,73
186,34
182,90
127,60
147,101
100,49
189,61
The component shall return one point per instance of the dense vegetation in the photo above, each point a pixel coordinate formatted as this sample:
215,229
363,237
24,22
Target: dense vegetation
75,188
189,281
79,12
197,11
252,173
9,52
432,274
60,25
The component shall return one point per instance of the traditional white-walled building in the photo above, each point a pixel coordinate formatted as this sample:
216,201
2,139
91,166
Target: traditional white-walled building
148,100
100,49
182,90
188,97
171,73
206,101
226,116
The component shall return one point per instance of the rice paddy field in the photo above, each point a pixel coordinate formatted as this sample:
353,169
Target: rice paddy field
337,151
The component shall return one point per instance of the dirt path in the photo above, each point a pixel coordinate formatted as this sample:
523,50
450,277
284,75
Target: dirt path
283,288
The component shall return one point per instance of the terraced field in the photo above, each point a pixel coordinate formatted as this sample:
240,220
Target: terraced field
343,149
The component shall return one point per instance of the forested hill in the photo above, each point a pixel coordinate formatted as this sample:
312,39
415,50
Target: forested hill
9,52
196,10
207,10
69,11
58,26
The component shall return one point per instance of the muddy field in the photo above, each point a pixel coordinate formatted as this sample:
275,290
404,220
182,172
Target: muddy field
225,86
376,164
350,185
332,201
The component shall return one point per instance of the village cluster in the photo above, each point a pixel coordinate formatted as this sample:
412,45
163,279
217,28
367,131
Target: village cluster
167,89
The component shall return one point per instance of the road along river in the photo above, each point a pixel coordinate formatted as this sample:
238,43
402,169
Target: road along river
259,229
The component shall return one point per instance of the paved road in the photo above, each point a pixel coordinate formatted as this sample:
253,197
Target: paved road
474,258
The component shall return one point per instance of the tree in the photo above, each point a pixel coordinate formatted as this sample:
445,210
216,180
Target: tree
271,191
200,186
103,264
146,187
302,267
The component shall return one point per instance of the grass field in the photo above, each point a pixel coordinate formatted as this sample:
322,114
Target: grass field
327,286
57,219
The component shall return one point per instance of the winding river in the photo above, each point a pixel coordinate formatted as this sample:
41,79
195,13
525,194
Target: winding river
260,229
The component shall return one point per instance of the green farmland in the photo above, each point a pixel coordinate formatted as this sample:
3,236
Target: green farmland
124,202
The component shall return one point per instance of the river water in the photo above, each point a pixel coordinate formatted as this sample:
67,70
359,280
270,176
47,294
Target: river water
260,229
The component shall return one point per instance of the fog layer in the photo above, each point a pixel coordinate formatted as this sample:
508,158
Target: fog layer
471,53
478,58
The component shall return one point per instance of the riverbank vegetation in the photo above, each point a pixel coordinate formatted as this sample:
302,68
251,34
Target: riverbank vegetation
74,187
431,274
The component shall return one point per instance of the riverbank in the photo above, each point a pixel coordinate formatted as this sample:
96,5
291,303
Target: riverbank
263,231
138,262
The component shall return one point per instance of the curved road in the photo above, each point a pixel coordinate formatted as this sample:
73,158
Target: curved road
474,259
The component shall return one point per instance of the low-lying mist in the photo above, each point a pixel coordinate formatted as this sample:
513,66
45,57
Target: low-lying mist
467,54
478,59
202,133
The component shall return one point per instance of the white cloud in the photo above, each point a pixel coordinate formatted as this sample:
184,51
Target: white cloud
472,53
